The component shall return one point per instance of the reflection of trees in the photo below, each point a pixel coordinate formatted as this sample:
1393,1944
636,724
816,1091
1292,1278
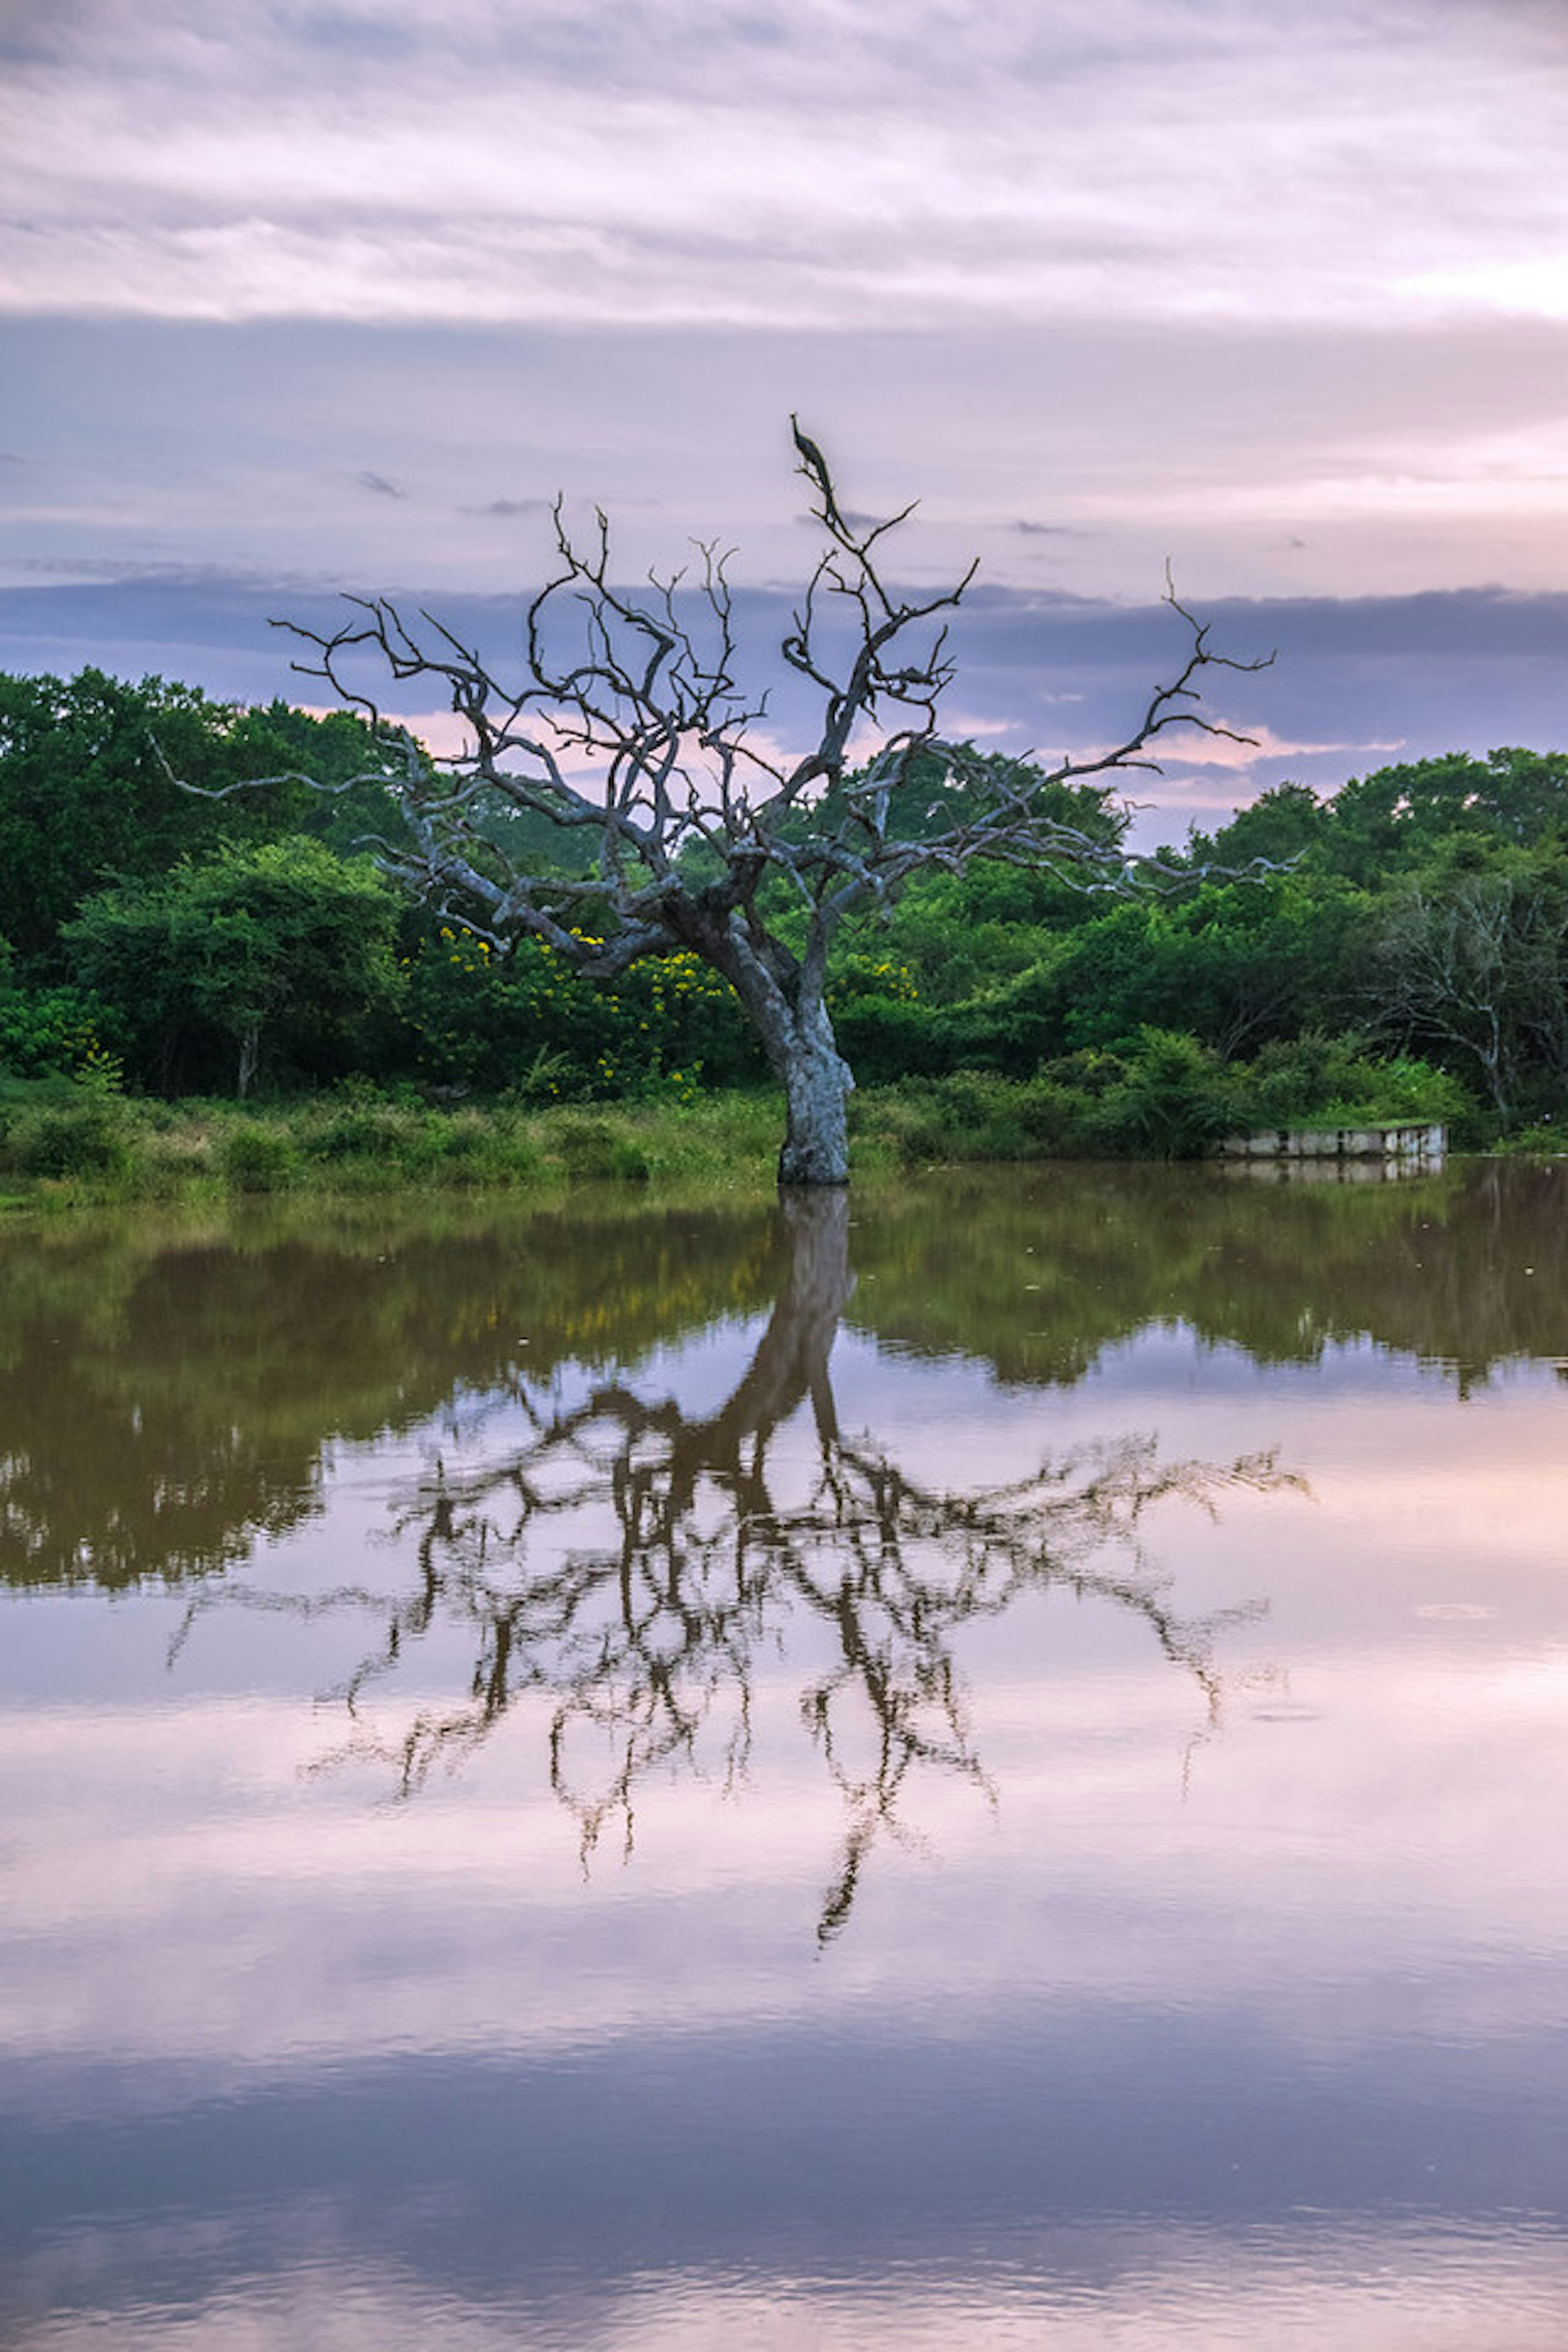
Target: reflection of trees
1466,1270
630,1563
168,1390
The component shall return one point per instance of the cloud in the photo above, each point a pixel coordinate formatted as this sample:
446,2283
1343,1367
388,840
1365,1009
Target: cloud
855,516
1049,674
1210,447
971,726
146,581
504,509
1241,751
379,485
701,162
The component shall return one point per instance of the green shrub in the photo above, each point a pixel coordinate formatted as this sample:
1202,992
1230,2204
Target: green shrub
888,1038
49,1029
475,1147
1174,1101
85,1137
254,1158
1338,1082
970,1115
362,1131
528,1024
1546,1136
591,1150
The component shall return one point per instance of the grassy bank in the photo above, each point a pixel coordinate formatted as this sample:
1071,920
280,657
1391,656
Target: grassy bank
63,1142
62,1145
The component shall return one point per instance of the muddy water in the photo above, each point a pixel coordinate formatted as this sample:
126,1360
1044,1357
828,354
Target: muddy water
979,1764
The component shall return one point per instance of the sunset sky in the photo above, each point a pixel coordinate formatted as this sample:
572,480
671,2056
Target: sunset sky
305,296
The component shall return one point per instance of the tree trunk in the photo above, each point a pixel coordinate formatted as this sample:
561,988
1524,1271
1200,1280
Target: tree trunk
249,1057
783,999
818,1084
791,1364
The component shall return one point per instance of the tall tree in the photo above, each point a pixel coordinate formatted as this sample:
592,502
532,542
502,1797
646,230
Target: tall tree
1403,816
1469,956
88,796
275,946
625,731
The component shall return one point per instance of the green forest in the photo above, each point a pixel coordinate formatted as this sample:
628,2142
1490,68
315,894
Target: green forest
1398,950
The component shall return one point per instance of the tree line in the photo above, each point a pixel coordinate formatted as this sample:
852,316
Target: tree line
1401,944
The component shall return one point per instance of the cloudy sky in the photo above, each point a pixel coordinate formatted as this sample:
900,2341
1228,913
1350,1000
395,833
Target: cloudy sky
300,296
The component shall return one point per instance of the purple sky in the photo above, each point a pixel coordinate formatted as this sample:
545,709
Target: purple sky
296,297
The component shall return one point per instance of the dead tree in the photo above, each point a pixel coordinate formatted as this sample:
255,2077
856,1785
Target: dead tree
626,729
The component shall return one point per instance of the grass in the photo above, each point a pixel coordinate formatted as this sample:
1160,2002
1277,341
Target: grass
61,1146
64,1143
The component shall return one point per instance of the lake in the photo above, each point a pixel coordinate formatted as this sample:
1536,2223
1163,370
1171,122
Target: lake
978,1763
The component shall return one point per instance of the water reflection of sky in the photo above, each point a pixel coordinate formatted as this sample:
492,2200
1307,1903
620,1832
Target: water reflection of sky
1236,2030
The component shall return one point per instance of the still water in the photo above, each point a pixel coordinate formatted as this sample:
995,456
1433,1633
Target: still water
978,1765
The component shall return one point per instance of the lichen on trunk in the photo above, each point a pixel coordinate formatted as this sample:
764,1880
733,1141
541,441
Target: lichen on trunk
818,1084
783,996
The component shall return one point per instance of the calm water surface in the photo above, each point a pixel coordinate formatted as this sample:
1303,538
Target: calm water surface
982,1765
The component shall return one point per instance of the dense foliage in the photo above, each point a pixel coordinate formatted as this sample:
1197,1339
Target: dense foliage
1404,947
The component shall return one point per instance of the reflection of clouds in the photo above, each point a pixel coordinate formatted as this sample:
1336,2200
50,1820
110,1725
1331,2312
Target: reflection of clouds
1380,1804
633,1562
1330,1943
1436,1495
1163,2288
401,2063
1375,1830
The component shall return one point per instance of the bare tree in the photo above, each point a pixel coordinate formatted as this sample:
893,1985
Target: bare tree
1475,964
626,729
630,1564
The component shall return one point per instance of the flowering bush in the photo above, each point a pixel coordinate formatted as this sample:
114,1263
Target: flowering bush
526,1023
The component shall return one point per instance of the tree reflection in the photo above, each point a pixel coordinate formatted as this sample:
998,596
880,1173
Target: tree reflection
171,1390
169,1394
632,1563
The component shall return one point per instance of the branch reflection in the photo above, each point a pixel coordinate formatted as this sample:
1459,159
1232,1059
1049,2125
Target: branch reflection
634,1563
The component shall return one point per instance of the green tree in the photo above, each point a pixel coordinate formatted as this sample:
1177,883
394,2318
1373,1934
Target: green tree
1282,825
1232,964
1401,817
1469,957
282,950
88,796
84,796
963,934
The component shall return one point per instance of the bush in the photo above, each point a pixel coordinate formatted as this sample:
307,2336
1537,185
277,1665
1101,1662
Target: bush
1315,1079
1171,1099
258,1160
48,1029
85,1137
974,1115
591,1150
885,1038
1174,1101
529,1026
